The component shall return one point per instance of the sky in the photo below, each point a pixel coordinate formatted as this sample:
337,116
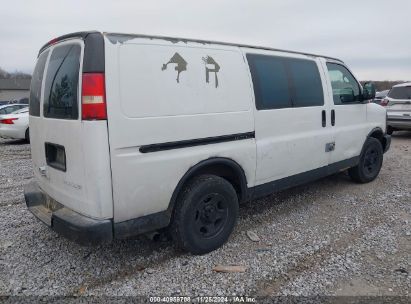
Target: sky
372,37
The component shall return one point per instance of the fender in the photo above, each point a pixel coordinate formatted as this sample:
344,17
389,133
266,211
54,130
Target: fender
376,129
383,138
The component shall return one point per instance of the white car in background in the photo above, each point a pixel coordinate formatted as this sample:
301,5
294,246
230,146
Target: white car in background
15,125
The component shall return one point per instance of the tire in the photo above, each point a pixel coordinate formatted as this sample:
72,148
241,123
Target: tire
390,130
27,135
370,164
205,214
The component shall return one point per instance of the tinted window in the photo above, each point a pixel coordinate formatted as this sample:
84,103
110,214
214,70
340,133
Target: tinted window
281,82
346,89
10,109
35,86
400,93
61,93
306,83
270,82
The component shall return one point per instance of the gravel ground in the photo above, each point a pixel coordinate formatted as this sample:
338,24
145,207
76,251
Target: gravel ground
330,237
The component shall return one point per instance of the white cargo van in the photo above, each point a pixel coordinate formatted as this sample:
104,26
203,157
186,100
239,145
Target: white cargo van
133,133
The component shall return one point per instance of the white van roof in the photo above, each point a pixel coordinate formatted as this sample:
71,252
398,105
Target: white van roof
121,38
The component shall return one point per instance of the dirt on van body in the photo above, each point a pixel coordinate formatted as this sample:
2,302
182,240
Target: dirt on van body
330,237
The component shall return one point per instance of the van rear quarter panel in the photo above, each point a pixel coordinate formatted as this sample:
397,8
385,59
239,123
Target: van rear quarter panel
157,92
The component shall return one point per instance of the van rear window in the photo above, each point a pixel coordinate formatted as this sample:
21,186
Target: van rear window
400,93
35,86
61,87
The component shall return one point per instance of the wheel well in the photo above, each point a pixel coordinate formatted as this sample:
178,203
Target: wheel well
225,168
225,172
378,134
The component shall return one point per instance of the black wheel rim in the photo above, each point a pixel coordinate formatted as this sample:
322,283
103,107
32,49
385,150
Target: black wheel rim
211,215
371,161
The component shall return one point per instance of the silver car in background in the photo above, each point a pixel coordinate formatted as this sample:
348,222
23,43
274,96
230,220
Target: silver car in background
380,96
398,104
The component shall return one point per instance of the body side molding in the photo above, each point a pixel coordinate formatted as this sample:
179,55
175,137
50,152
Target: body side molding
195,142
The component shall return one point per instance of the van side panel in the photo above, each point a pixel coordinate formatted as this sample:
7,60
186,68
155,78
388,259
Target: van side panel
160,92
290,140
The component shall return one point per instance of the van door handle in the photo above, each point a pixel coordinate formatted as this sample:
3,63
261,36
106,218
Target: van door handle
324,118
333,117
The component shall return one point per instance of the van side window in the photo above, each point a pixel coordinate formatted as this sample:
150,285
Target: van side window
35,86
270,82
346,89
281,82
306,83
61,87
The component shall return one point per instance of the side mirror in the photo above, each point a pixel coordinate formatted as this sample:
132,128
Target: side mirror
368,91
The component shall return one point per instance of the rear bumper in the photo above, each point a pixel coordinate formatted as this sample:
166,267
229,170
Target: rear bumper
10,133
66,222
399,123
387,142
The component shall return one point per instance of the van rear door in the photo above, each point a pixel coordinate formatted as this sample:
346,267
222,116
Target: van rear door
70,154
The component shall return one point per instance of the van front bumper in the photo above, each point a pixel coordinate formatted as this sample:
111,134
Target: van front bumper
66,222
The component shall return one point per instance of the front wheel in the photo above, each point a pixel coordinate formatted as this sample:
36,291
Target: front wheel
370,162
205,214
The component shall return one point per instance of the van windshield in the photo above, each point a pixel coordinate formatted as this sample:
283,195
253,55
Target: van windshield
61,86
400,93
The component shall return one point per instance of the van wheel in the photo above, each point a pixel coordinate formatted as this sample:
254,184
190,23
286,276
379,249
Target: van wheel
390,130
27,135
205,214
370,162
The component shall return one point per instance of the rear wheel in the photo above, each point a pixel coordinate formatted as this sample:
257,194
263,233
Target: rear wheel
370,162
205,214
27,135
390,130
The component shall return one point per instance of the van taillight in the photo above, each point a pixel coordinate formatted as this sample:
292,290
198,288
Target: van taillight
93,97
